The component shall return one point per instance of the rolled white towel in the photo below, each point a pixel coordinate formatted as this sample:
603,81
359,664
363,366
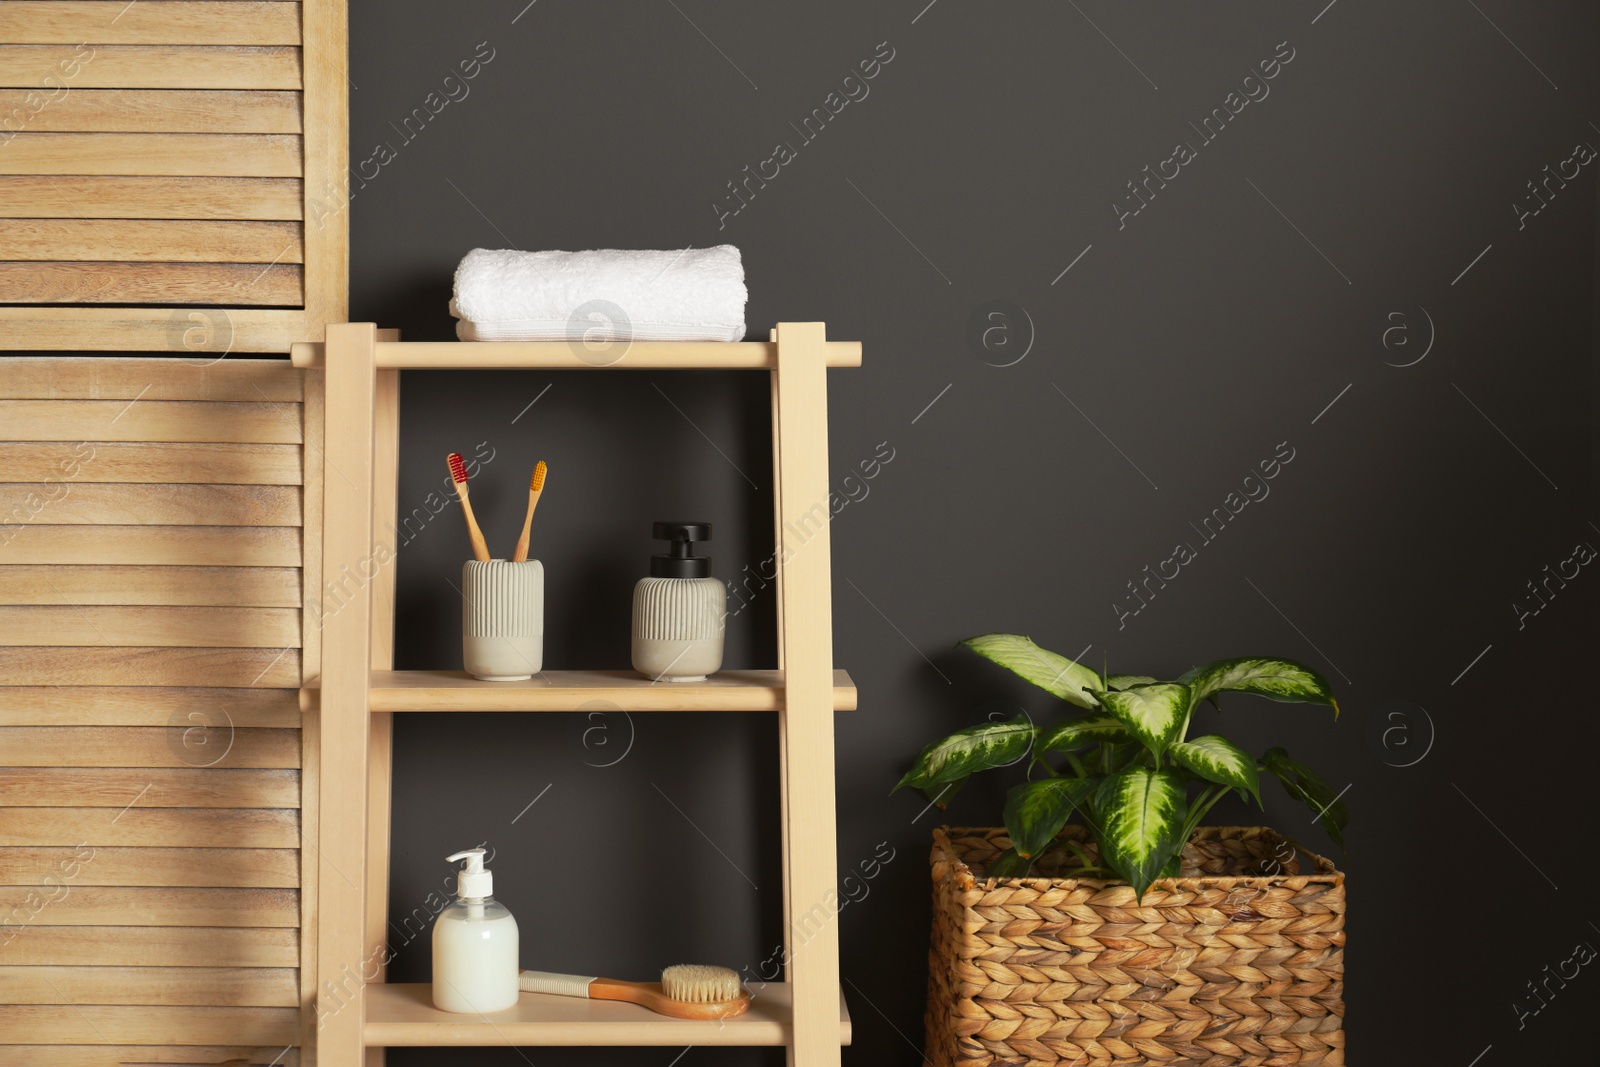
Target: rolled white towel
601,295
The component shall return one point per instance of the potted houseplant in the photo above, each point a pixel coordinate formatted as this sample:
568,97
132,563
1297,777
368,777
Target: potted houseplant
1134,935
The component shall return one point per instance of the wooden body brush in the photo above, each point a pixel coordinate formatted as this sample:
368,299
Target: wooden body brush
535,487
458,475
686,991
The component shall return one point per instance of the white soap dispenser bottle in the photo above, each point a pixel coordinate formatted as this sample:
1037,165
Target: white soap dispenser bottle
474,945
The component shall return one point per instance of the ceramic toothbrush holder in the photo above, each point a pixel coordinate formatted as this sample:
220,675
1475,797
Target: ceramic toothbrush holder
502,619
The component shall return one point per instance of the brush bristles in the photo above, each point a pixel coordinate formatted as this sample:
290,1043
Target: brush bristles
458,468
539,472
698,983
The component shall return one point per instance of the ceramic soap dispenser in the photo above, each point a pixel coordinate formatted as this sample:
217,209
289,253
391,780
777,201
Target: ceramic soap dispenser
679,611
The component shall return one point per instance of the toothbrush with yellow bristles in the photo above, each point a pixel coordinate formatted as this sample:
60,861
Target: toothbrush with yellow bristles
535,487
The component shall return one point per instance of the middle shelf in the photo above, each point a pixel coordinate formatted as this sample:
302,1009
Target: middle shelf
582,691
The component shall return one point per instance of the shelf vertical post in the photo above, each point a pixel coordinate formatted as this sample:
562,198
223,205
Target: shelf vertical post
343,957
806,721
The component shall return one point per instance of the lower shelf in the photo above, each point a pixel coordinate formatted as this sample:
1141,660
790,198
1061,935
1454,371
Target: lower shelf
403,1014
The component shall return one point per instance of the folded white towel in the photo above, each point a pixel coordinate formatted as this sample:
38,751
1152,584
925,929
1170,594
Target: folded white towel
601,295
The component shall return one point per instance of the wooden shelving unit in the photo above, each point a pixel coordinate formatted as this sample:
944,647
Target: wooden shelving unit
350,713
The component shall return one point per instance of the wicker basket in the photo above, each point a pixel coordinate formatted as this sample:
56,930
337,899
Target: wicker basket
1238,961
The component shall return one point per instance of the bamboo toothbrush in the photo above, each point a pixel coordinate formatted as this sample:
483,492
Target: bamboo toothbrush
458,475
686,990
535,487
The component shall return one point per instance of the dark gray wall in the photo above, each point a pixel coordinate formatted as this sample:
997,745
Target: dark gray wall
1370,191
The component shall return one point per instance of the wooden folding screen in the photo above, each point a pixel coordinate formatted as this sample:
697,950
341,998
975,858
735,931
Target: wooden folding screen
172,174
151,781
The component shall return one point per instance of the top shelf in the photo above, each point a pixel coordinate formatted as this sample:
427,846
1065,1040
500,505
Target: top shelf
564,355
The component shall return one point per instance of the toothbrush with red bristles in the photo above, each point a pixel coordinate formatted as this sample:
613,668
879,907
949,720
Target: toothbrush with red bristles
458,475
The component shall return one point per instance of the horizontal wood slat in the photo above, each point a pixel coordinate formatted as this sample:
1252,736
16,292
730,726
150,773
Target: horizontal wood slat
148,706
261,868
153,906
201,986
228,284
141,1055
150,241
264,587
245,155
108,503
201,546
211,743
148,22
155,946
164,330
227,667
44,1024
120,197
149,110
150,627
167,421
236,464
147,377
136,827
135,66
160,787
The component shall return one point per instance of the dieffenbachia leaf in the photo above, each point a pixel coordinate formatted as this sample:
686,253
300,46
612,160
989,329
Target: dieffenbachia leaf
1009,865
1049,671
1155,714
1217,760
1279,679
1036,811
977,748
1066,736
1141,814
1128,681
941,793
1308,787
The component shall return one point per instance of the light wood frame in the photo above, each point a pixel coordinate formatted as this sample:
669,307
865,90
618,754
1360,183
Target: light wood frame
360,458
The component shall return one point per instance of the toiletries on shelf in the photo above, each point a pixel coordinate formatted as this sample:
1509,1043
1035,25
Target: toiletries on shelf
474,945
686,990
680,610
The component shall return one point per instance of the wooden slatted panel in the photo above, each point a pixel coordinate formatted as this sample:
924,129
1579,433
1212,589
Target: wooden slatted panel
150,66
210,743
186,627
145,706
219,867
259,587
247,155
226,667
151,283
154,241
136,827
149,22
119,1025
206,546
54,787
124,197
140,1056
113,378
159,946
163,906
102,503
236,464
147,420
203,986
154,110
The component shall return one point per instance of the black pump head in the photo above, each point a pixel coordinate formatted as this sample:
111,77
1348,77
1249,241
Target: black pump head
681,562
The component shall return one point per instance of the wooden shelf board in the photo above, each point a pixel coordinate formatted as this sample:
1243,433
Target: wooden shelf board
579,690
564,355
403,1014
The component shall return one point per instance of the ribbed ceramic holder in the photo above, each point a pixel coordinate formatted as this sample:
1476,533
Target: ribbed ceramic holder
502,619
677,628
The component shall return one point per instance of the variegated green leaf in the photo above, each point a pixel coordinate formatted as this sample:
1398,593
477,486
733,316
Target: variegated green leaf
1036,811
1279,679
1128,681
1217,760
1154,714
1049,671
977,748
1308,787
1074,733
1141,814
